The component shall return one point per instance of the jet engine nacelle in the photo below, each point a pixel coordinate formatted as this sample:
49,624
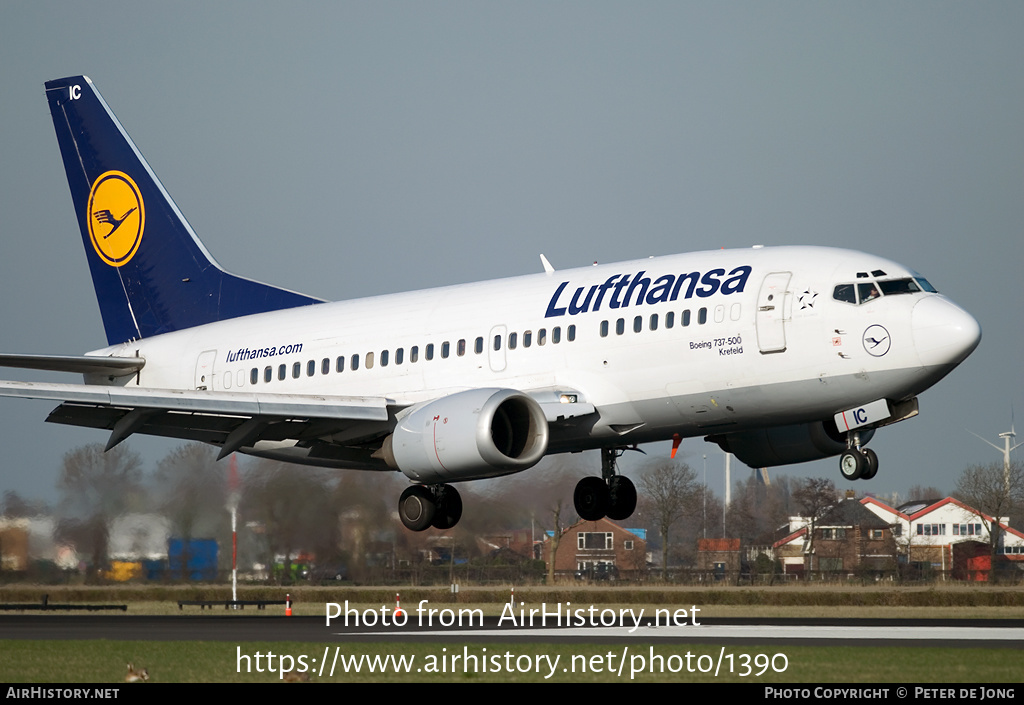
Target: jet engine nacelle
785,445
467,436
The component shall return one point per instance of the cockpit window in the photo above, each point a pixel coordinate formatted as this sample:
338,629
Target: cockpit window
899,286
862,292
923,283
867,291
845,292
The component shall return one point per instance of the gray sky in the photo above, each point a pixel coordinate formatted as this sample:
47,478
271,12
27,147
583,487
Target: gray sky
344,149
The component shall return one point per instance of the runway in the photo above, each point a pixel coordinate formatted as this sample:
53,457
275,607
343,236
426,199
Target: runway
241,628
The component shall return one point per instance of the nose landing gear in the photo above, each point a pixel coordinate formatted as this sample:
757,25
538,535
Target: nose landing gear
857,463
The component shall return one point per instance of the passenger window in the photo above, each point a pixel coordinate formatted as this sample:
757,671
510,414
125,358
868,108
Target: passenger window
478,346
620,326
638,324
254,376
325,366
542,336
311,368
460,347
430,351
296,370
445,349
702,316
414,353
340,366
497,342
368,361
571,333
354,362
282,372
654,321
268,373
527,339
556,335
399,355
685,318
670,319
512,341
383,358
604,329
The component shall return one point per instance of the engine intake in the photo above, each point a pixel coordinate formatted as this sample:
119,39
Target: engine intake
468,435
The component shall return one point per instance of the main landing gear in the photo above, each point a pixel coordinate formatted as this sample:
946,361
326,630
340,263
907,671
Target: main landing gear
857,463
423,506
610,495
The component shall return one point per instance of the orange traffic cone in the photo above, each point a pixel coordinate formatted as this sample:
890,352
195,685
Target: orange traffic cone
287,605
398,605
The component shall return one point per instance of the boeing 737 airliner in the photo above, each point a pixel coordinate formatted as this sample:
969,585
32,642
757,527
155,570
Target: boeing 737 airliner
779,355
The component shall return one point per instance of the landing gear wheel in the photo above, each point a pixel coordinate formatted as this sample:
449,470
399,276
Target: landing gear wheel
872,463
622,498
416,507
449,507
852,465
591,498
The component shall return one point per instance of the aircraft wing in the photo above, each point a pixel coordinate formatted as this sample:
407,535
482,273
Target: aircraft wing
232,420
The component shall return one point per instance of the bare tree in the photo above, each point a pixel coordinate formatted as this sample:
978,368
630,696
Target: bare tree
191,487
921,493
294,505
556,536
994,490
816,495
96,487
14,505
671,491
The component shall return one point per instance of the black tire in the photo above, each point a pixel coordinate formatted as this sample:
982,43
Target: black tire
872,464
622,498
591,498
449,507
852,465
416,507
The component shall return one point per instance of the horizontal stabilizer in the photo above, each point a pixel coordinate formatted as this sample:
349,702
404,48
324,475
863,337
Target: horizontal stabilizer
83,364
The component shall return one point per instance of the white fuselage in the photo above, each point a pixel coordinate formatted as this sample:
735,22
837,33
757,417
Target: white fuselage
753,339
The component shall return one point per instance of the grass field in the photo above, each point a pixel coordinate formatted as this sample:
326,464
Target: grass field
208,662
182,662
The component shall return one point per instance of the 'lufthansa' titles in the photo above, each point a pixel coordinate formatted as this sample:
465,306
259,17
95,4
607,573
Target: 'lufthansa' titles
622,290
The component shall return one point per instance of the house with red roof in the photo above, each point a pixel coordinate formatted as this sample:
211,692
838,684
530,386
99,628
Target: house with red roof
943,535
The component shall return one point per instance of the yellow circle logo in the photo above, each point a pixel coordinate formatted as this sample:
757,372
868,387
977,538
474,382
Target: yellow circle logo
117,217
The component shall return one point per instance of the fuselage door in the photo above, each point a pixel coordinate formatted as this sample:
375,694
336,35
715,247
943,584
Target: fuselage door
771,312
204,369
496,348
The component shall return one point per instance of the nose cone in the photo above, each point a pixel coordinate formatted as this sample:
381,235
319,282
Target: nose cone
944,334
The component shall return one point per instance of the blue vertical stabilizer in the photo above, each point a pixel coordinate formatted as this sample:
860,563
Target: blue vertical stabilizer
152,274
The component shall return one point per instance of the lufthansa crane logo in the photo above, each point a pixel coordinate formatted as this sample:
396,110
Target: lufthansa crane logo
876,340
117,217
